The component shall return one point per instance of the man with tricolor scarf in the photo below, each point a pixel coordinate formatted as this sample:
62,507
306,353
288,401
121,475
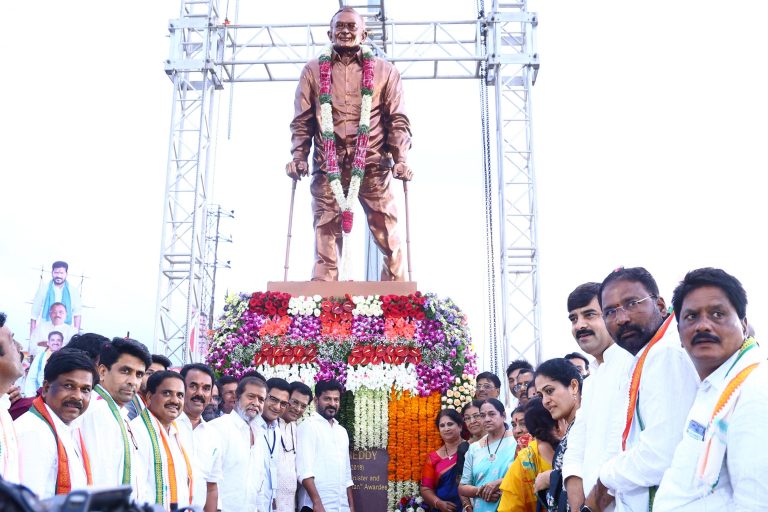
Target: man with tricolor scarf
660,391
167,474
107,432
55,456
720,463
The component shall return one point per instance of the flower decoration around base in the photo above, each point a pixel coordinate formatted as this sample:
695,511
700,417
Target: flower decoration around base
400,358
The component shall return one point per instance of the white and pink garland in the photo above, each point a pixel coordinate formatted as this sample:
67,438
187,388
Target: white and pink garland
346,203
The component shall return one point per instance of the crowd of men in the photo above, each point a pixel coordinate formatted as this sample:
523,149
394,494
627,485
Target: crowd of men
676,398
109,413
670,415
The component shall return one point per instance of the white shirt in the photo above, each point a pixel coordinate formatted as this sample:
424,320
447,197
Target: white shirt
41,455
239,464
9,459
743,483
270,436
146,453
105,445
201,447
595,436
287,482
667,389
323,454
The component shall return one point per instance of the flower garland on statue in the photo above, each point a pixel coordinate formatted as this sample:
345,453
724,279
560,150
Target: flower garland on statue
361,146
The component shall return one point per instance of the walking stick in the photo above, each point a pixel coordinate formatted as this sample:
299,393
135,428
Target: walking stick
407,232
290,227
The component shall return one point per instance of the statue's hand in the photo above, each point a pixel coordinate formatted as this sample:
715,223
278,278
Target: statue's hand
295,169
402,172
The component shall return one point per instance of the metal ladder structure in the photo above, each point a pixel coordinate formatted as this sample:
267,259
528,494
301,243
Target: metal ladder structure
208,52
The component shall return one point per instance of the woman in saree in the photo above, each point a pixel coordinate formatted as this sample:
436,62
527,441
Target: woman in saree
439,487
474,427
517,493
488,459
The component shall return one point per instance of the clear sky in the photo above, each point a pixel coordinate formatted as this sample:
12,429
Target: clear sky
649,135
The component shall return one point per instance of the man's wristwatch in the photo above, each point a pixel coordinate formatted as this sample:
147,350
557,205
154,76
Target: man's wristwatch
585,508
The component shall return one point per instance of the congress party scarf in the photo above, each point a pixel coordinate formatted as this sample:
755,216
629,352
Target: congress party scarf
63,478
104,394
156,436
713,454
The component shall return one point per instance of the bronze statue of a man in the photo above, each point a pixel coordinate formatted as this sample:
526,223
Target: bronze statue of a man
341,79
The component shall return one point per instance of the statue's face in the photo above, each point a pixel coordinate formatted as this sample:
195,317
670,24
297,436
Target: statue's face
347,30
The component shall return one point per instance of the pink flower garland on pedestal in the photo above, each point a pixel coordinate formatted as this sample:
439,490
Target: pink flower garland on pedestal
346,203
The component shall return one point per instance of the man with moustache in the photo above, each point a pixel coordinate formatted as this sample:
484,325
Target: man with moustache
388,131
57,291
637,319
227,385
278,394
35,374
57,314
139,401
488,386
595,436
239,458
322,456
122,363
167,474
524,379
197,436
513,370
718,464
10,371
56,459
301,397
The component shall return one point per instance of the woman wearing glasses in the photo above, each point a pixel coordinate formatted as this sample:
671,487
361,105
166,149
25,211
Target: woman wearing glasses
517,494
473,425
439,487
488,459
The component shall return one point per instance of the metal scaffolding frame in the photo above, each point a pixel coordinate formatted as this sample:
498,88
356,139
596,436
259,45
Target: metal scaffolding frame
206,53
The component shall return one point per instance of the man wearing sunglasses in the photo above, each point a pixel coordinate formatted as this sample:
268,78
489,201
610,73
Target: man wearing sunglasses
278,394
638,321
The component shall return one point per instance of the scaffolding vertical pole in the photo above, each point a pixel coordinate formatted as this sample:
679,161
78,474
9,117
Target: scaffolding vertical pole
513,64
195,45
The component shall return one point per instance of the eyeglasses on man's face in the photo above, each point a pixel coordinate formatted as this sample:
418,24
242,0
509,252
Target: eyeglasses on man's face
486,387
627,307
276,401
298,405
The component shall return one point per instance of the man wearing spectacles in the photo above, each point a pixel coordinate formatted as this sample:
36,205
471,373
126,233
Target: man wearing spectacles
287,483
636,317
513,370
520,389
278,394
488,386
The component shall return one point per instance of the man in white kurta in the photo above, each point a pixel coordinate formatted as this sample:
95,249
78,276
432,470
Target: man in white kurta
322,455
239,457
595,436
10,371
41,456
197,435
67,389
105,425
54,322
167,477
726,425
638,320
